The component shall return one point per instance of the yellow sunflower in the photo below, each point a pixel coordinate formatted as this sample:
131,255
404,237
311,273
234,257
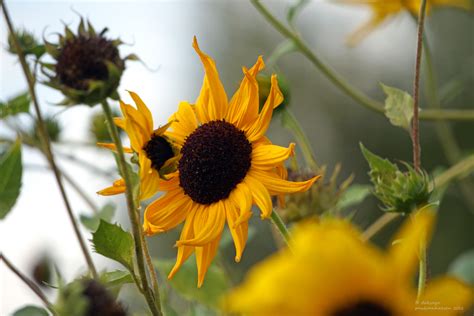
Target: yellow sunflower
226,165
156,156
332,272
383,10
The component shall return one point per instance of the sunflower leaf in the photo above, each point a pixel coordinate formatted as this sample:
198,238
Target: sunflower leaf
16,105
398,107
30,310
10,178
184,282
111,241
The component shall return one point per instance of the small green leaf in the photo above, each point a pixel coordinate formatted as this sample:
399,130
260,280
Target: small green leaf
10,178
398,107
355,194
18,104
185,280
111,241
377,163
463,267
106,213
30,310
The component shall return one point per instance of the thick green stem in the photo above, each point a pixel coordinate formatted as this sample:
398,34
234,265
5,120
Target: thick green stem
45,141
281,227
132,211
290,122
30,284
341,83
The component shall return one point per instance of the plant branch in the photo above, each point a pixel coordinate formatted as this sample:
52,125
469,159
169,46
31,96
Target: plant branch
459,170
281,227
45,142
378,225
35,288
341,83
132,211
151,269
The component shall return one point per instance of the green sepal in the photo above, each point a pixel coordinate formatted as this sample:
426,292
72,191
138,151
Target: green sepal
69,34
81,29
51,49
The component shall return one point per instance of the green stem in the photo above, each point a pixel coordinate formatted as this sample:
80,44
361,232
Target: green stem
378,225
415,133
459,170
30,284
290,122
132,210
45,141
341,83
281,227
153,276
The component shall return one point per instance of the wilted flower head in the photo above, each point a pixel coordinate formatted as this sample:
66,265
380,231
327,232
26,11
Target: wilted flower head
88,66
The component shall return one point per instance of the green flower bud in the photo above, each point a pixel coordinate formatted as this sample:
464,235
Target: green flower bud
88,66
28,43
400,192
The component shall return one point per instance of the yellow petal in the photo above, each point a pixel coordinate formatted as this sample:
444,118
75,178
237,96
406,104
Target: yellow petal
120,122
365,29
112,147
149,177
404,253
143,110
184,122
244,105
258,128
239,232
241,197
171,183
184,251
204,256
208,224
267,157
213,104
449,293
260,195
117,187
276,185
135,132
166,212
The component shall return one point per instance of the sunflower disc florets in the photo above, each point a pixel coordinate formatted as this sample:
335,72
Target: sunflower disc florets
88,66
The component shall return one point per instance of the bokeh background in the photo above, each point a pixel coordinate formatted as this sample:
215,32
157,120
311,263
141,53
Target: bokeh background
234,33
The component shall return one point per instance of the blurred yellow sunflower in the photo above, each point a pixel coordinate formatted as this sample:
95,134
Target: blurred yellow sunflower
382,10
226,165
332,272
155,152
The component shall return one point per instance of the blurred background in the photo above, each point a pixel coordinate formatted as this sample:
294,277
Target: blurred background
234,34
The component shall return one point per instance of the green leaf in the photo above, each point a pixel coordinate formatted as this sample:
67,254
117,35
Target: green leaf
377,163
114,280
30,310
398,107
111,241
10,178
91,222
18,104
355,194
185,281
463,267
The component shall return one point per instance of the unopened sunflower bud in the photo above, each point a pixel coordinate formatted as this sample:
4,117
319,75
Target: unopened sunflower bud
53,127
401,192
28,44
98,127
264,84
88,66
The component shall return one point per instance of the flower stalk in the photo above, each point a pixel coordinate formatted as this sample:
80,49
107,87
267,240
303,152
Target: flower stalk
132,212
281,227
341,83
45,141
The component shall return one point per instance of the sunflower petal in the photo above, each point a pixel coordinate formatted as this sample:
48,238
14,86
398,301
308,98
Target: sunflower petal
120,122
132,128
149,177
276,185
239,232
183,123
268,157
243,107
260,195
113,148
212,105
166,212
143,109
258,128
208,224
117,187
204,256
184,251
449,293
242,199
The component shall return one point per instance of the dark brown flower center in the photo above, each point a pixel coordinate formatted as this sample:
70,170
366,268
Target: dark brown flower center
363,308
158,150
82,59
215,158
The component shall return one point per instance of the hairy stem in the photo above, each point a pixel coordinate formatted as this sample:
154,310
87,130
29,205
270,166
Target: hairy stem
132,211
151,269
341,83
45,141
281,227
32,285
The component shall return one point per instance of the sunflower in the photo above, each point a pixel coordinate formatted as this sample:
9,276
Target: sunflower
226,165
156,154
332,272
383,10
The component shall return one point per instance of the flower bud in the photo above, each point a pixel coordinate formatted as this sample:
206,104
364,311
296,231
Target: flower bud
28,44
